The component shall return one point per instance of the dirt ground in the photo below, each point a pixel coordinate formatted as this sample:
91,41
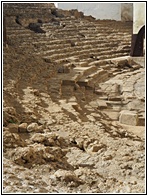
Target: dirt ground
57,145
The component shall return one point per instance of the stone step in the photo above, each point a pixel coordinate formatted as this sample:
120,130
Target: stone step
95,74
67,48
84,57
83,30
113,115
28,35
71,79
82,42
76,74
85,70
62,47
24,35
114,103
115,98
93,78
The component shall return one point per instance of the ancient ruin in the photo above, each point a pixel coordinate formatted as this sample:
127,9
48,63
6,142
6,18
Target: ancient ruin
73,103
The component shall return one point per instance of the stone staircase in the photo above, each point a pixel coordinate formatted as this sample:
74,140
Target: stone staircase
78,45
85,41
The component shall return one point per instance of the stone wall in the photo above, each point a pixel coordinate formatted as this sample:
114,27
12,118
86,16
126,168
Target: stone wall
139,17
127,12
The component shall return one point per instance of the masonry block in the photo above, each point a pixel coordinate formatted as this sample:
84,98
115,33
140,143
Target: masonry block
128,117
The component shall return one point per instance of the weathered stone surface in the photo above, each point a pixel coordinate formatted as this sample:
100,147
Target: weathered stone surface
136,105
13,128
33,127
10,110
36,154
110,89
128,117
68,177
8,118
101,104
22,128
12,140
39,138
120,63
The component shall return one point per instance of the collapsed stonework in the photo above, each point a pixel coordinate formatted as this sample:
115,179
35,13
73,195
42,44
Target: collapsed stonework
74,104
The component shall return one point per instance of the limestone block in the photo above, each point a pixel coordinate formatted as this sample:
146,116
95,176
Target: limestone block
110,87
128,117
102,104
136,105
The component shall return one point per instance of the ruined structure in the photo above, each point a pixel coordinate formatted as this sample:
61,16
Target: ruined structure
74,103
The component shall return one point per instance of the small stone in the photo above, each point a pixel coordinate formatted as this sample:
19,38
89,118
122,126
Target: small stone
32,127
22,128
134,182
36,92
38,138
108,157
95,148
40,129
46,130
